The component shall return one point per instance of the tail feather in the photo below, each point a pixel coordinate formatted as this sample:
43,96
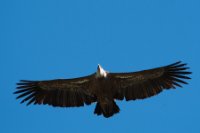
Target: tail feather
108,109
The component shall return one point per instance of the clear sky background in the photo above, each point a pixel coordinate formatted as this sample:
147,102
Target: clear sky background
48,39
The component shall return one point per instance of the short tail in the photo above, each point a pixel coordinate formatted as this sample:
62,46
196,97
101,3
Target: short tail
108,109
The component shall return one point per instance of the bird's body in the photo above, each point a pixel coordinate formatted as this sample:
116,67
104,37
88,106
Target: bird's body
103,87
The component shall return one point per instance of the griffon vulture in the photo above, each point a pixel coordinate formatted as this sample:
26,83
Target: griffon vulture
103,88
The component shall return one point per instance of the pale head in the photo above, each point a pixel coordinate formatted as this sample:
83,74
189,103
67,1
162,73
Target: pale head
100,72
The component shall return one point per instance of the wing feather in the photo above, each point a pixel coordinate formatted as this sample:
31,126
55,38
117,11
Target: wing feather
60,92
147,83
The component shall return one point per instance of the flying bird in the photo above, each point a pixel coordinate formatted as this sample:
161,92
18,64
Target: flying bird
103,87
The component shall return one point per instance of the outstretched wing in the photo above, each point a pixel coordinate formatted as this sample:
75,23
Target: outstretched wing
147,83
60,92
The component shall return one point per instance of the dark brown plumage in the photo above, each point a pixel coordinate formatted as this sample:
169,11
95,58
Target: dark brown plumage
103,87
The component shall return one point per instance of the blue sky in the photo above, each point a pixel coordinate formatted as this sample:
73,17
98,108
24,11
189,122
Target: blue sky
65,39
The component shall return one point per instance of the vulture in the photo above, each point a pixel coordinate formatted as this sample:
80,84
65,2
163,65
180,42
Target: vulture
103,88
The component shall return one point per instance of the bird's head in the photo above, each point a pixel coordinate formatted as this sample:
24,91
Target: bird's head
101,72
99,67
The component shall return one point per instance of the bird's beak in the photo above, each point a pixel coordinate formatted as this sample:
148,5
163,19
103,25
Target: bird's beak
98,67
